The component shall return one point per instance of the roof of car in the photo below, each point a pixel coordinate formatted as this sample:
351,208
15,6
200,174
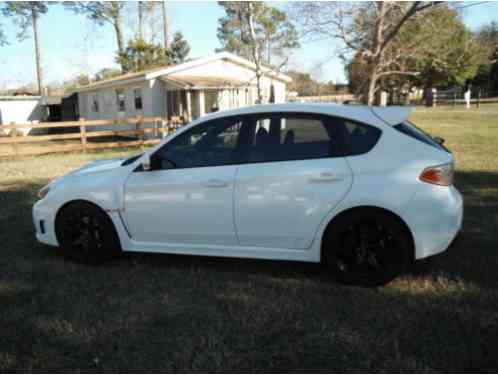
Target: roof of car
388,115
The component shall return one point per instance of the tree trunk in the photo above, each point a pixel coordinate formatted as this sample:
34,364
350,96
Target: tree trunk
256,52
372,83
165,26
39,73
118,28
140,20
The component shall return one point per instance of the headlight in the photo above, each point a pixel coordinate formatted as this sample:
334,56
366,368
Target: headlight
43,192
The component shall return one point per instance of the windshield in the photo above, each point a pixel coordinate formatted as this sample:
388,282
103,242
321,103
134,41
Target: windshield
131,160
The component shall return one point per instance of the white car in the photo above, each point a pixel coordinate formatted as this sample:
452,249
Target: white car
360,189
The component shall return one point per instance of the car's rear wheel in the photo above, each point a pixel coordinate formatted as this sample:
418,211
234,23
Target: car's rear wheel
86,233
367,247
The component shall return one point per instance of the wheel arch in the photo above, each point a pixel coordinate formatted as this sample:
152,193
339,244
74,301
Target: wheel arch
366,208
86,201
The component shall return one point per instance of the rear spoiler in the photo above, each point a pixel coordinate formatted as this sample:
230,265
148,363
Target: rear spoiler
392,115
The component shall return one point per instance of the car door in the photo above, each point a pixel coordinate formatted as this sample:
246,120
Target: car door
187,196
295,175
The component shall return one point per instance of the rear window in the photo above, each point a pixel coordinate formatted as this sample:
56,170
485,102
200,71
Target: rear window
413,131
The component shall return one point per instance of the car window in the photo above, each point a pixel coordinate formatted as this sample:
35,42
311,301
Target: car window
213,143
410,129
360,138
292,137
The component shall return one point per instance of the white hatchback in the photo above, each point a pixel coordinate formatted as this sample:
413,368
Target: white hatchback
360,189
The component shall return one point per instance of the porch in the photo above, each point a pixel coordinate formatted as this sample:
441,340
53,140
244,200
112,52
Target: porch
190,97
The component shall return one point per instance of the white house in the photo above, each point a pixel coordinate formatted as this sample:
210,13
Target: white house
185,91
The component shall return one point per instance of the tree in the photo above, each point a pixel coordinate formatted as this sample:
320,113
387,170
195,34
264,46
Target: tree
179,48
165,24
102,12
367,30
487,76
106,73
26,14
3,39
140,55
256,31
302,83
434,50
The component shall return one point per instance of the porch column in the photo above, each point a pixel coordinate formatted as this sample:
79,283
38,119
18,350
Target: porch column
189,106
202,104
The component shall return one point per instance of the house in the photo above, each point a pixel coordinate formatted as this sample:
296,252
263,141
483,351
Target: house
182,92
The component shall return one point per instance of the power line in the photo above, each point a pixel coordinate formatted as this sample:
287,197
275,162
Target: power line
473,4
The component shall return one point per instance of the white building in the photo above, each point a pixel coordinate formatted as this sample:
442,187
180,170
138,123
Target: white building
21,109
181,92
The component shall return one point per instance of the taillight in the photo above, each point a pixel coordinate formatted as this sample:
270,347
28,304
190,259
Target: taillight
438,175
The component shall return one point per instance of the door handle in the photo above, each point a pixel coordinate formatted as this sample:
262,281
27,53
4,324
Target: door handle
326,177
215,183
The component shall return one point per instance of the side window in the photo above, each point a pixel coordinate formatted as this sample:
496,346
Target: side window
137,93
120,100
360,138
294,137
214,143
95,103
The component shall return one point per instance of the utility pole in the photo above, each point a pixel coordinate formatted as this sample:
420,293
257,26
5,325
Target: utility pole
165,26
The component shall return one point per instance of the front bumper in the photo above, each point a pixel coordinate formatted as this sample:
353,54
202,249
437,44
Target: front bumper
44,222
437,215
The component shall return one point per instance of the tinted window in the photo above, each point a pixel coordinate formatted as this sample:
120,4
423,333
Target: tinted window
360,138
411,130
292,137
211,144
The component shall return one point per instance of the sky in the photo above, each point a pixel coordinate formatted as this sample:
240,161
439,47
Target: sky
73,45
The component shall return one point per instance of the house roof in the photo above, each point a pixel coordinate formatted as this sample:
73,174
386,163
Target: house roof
164,71
198,82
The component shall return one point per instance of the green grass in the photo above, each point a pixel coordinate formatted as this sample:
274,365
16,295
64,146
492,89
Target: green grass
164,313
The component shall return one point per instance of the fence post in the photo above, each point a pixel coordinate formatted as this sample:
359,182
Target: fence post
454,98
479,98
83,134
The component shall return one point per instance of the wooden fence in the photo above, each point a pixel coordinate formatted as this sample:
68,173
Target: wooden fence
16,144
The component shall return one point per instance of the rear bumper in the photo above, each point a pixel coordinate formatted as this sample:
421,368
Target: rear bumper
436,214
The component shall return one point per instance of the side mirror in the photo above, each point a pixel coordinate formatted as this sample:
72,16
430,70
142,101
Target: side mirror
146,166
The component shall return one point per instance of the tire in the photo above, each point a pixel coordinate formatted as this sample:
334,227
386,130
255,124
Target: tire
367,247
86,234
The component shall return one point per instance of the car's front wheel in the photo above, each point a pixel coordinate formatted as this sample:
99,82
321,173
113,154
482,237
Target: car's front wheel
367,247
86,233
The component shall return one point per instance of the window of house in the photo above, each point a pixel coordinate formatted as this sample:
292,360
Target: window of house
294,137
95,103
214,143
120,100
138,98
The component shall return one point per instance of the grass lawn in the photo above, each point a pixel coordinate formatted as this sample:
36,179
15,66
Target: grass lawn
162,313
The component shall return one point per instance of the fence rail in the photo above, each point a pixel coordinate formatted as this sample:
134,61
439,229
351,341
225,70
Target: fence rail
15,144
